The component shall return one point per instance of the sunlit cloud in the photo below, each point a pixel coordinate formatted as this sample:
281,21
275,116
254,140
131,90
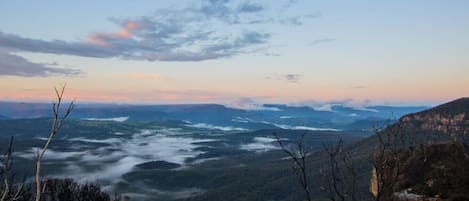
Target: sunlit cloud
220,50
102,39
192,33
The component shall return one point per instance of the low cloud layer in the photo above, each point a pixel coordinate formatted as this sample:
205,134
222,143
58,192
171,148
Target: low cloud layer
328,105
260,144
249,104
214,127
118,156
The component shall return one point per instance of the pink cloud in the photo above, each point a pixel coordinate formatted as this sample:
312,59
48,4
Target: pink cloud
125,32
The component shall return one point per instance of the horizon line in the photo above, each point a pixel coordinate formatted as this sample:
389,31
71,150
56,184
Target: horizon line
423,103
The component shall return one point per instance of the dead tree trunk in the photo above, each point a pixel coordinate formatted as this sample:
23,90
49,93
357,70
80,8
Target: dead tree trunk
57,123
298,156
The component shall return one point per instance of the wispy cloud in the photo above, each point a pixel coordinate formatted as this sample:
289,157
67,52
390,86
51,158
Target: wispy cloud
359,87
290,3
292,78
193,33
14,65
250,7
321,41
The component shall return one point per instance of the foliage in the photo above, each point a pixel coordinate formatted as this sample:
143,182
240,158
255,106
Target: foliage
436,170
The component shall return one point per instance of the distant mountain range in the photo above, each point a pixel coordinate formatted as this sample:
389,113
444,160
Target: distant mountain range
262,170
3,117
274,115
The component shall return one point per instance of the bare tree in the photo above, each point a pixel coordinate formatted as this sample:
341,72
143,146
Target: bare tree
342,175
6,167
334,177
57,123
298,156
386,160
9,191
48,189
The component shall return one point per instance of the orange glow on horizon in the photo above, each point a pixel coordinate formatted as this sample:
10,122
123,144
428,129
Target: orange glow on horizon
168,97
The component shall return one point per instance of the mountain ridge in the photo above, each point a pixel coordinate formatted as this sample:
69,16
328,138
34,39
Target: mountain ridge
449,117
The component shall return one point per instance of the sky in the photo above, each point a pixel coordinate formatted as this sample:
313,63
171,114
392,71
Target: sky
229,51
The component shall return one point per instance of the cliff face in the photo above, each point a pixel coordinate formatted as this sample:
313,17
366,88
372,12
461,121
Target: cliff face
430,171
437,122
450,118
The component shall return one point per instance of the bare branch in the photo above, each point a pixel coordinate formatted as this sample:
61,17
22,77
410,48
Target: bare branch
299,162
57,124
5,169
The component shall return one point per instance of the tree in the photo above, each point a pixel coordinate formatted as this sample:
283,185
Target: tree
341,175
386,160
57,123
298,156
50,189
9,190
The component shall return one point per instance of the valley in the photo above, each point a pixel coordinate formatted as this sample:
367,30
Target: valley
184,152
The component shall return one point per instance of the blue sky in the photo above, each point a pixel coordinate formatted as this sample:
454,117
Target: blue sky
222,50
